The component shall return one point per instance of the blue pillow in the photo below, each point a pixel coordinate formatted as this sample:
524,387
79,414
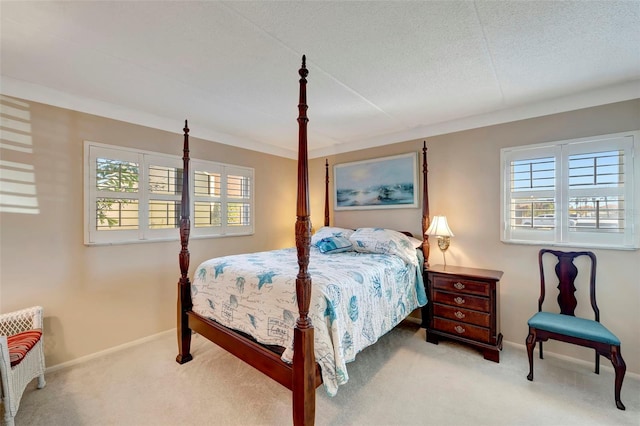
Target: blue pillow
330,231
334,245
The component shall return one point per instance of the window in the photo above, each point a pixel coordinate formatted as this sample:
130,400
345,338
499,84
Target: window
133,196
223,199
579,192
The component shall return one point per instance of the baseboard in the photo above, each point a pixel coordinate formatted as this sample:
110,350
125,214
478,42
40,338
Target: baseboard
603,365
99,354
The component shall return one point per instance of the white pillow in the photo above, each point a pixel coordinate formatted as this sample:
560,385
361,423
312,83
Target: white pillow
330,231
384,241
415,242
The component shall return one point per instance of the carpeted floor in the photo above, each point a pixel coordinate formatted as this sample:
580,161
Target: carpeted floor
400,380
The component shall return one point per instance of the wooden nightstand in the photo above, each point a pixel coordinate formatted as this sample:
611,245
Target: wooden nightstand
464,304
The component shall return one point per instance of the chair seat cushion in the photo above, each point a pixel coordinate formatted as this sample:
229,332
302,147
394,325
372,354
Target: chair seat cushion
572,326
20,344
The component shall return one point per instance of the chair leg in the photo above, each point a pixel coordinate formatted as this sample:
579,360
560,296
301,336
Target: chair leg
620,367
41,381
597,362
531,344
541,357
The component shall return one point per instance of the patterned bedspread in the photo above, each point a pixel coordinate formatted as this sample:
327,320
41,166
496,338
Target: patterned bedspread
355,299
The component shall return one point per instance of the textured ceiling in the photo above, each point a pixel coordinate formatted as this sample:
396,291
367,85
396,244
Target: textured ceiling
379,72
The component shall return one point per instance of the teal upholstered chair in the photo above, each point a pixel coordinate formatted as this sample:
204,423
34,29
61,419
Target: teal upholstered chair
565,326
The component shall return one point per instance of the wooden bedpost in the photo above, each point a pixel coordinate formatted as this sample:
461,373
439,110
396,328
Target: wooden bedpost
184,285
326,192
425,206
304,365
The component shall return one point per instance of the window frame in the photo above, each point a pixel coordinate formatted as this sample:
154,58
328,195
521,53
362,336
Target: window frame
225,170
566,232
144,233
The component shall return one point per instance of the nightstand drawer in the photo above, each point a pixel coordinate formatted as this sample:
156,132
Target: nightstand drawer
463,315
462,301
460,285
461,329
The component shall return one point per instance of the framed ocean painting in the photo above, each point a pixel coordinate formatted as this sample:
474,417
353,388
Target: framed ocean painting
381,183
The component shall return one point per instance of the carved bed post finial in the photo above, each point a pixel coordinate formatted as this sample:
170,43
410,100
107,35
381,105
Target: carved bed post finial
326,193
185,221
425,206
304,364
303,224
184,285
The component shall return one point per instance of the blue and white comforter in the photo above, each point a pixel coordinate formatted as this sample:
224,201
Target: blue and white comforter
355,299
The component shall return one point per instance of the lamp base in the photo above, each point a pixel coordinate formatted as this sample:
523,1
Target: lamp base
443,245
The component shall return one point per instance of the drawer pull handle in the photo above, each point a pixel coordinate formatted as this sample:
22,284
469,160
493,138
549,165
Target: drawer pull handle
459,300
459,315
459,329
459,286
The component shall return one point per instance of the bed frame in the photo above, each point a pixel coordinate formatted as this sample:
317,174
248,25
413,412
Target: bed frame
303,376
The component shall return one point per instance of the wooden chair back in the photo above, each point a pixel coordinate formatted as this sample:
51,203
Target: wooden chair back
566,271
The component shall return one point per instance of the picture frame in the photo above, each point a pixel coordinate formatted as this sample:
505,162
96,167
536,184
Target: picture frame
380,183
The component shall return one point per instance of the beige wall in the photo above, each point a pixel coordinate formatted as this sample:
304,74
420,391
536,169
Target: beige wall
96,298
464,185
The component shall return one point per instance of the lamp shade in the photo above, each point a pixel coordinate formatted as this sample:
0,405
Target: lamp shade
439,227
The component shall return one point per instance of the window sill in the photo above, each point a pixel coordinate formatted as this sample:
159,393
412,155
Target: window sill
164,240
572,245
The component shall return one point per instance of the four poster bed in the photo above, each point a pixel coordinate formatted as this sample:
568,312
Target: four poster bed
365,282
